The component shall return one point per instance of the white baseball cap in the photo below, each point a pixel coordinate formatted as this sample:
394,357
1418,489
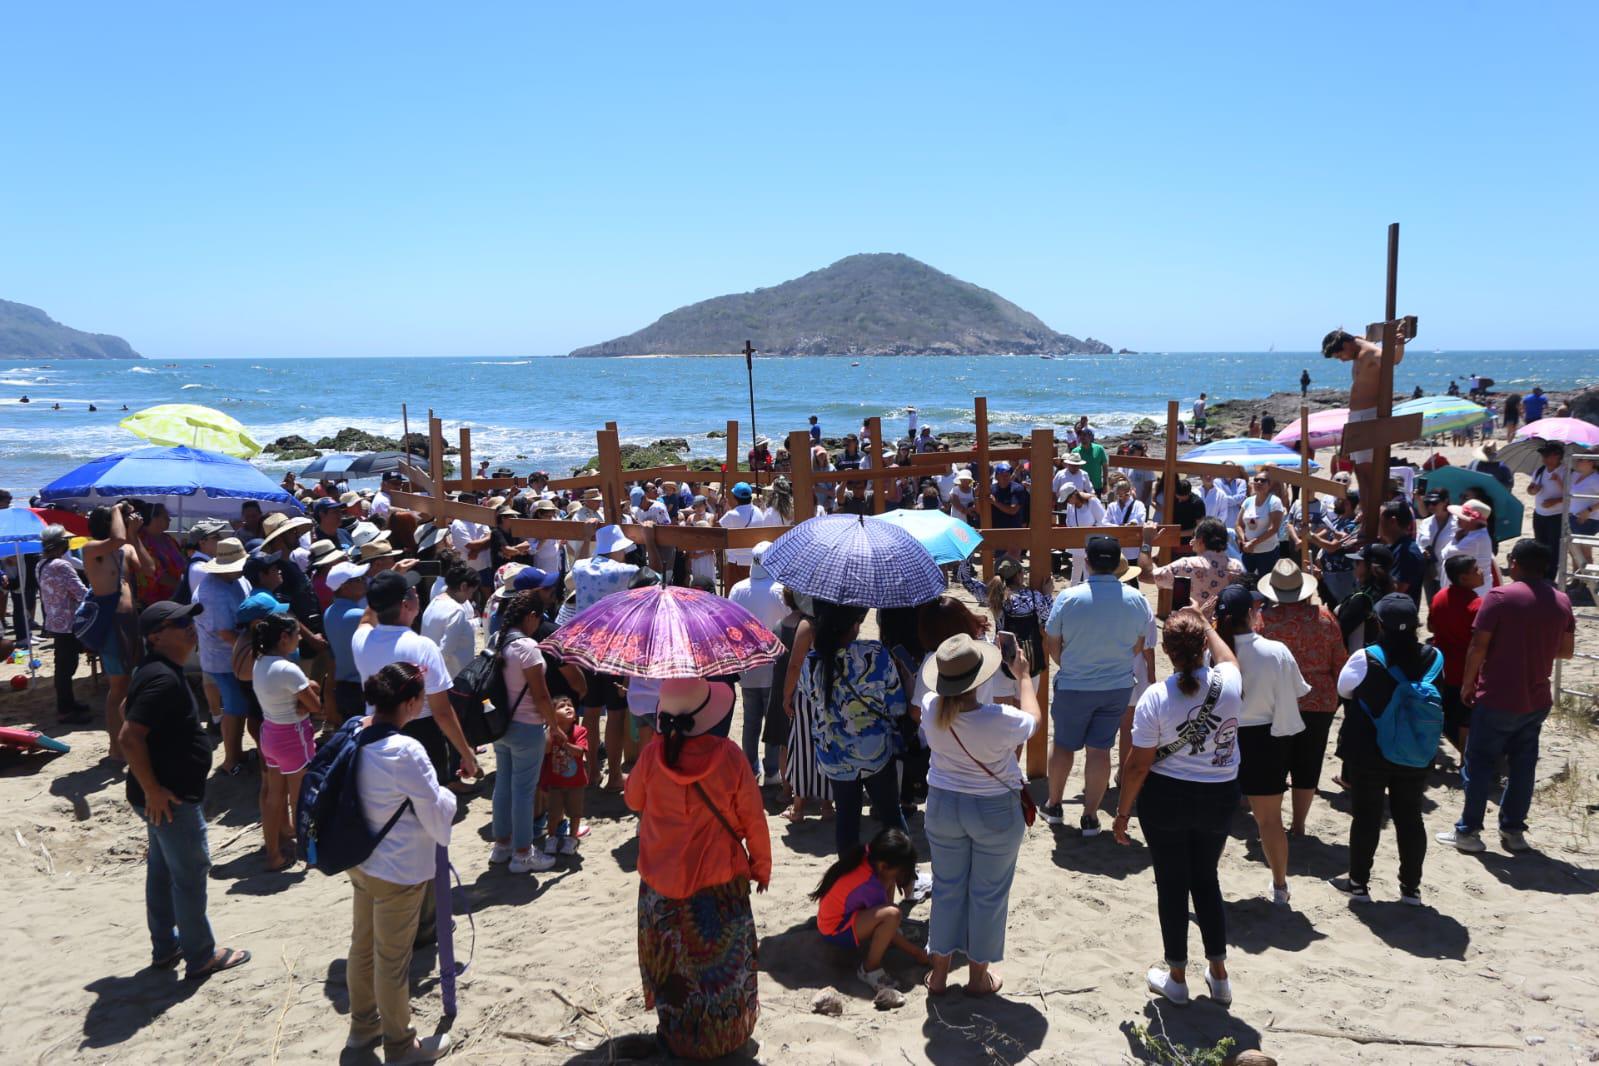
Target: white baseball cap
343,572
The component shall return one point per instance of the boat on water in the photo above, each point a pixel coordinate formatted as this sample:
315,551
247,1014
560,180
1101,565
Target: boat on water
1046,357
855,364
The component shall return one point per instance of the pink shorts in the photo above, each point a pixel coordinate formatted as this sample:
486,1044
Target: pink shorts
288,749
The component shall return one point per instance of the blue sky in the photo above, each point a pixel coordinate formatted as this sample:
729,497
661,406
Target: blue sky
403,179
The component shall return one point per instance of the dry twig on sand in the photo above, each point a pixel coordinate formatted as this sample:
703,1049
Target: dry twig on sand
1378,1038
288,1001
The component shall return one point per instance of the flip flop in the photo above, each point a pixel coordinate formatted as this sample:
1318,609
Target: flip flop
996,983
226,959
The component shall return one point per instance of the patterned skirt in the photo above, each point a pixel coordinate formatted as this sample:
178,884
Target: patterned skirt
805,777
698,960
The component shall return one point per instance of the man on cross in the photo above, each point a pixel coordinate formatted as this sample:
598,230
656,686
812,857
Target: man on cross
1365,384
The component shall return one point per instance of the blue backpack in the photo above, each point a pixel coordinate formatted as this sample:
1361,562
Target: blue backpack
332,830
1409,727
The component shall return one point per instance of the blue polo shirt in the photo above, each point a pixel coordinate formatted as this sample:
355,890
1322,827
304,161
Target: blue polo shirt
1098,624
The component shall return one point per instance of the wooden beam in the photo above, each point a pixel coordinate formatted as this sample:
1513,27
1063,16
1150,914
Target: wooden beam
981,475
436,449
418,479
731,474
437,507
466,459
1041,524
1321,485
1184,466
1019,540
1010,455
800,475
1382,433
874,430
610,473
1168,515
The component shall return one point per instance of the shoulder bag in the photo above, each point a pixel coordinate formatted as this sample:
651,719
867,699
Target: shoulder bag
1029,807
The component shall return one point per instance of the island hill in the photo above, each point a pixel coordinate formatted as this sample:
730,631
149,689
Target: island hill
28,333
881,304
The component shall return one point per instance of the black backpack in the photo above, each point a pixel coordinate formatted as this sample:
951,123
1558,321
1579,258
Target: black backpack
479,696
332,830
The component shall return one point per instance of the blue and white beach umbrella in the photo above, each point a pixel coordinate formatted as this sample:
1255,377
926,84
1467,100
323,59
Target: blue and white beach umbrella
1250,453
947,539
847,559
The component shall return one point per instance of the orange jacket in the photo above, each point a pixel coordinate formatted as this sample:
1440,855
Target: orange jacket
682,847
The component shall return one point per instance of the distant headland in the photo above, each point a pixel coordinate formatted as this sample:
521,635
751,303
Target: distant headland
878,304
28,333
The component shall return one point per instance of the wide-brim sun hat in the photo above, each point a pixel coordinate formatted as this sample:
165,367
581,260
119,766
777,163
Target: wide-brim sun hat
1286,583
959,665
705,703
229,559
1477,509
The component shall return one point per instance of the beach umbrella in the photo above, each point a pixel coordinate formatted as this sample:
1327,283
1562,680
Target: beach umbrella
19,532
1508,510
947,539
1565,430
1443,414
1521,457
193,484
1326,429
193,426
1250,453
375,464
73,523
846,559
663,631
332,466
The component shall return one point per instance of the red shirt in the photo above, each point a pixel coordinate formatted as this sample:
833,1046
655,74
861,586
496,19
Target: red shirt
1450,618
1528,622
564,768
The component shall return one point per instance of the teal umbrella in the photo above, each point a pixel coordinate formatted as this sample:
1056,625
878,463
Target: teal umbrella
947,540
1443,414
1508,510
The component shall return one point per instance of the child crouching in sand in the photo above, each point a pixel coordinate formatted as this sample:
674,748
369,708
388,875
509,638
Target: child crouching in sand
855,902
564,777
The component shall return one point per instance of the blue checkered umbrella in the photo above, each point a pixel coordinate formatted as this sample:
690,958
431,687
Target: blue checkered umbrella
846,559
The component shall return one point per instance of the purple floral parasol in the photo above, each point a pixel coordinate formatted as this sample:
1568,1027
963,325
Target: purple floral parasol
666,631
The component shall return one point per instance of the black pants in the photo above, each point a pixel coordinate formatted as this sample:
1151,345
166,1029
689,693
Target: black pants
67,650
347,699
1403,788
882,790
1185,823
1546,531
426,732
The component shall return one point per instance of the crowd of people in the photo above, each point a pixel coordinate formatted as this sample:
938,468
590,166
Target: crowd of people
360,610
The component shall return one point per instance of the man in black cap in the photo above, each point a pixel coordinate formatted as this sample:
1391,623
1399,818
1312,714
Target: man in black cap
1434,536
169,757
327,513
1374,566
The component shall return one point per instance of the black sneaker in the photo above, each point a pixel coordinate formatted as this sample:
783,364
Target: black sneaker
1356,891
1089,824
1053,814
1411,897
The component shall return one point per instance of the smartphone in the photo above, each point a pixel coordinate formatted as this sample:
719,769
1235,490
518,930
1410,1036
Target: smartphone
1006,641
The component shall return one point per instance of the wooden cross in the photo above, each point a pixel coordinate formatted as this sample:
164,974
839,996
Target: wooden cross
1386,430
749,370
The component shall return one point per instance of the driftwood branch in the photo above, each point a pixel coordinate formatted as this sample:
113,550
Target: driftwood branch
1359,1038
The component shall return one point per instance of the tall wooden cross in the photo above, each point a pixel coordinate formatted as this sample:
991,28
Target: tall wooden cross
1386,430
749,370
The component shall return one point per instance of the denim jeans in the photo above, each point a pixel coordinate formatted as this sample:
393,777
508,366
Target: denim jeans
754,718
517,758
974,840
1495,733
882,788
175,875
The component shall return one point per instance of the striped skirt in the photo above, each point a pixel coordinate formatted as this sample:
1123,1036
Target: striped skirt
697,957
804,775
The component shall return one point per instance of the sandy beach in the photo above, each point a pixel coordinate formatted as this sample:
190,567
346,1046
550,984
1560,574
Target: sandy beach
1497,969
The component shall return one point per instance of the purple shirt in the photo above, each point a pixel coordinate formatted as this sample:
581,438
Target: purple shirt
1528,622
62,590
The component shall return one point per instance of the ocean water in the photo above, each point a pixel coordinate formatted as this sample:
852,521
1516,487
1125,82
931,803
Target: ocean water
533,413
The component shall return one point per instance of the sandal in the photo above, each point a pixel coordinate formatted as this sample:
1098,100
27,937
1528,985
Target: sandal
224,959
994,985
927,983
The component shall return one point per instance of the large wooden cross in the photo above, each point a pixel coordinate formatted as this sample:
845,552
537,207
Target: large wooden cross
1385,430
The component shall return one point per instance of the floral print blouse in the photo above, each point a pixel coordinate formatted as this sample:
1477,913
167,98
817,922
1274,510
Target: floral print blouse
855,730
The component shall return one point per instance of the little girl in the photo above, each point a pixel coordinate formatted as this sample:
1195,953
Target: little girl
288,739
856,902
563,778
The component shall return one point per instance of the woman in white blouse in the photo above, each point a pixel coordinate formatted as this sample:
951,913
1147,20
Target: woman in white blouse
402,801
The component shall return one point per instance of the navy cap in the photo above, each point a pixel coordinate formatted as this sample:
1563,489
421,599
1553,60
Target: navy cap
1234,603
326,504
388,589
1102,552
1397,613
534,578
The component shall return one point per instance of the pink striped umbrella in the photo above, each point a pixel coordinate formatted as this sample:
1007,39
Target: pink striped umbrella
1326,429
1565,430
666,631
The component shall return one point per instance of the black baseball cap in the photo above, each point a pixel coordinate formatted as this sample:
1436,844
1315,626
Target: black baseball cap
161,612
1102,552
389,588
1380,554
1436,496
1397,613
1234,603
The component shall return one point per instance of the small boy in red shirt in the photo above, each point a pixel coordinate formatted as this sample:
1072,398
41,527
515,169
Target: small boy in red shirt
563,777
1450,618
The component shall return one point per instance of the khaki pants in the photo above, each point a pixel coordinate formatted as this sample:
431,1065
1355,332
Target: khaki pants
378,971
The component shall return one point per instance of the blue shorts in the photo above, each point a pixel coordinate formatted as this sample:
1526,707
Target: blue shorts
1088,719
845,937
234,702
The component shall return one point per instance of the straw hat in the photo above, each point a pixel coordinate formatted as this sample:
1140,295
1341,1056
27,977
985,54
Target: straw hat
326,553
376,548
545,507
959,665
229,560
350,498
282,525
1072,459
1472,509
692,705
1286,583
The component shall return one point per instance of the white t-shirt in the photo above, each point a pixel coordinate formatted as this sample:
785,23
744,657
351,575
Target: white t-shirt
1200,749
742,517
1551,488
1257,520
1273,685
1480,547
462,531
448,623
1141,678
374,647
1583,491
547,555
1067,478
962,502
278,683
991,733
643,696
521,654
1131,513
763,598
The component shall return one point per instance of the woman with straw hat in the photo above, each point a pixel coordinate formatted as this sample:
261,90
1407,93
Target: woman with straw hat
699,808
975,823
1292,617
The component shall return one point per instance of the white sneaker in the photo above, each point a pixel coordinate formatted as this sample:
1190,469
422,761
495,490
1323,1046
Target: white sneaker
1470,843
569,845
532,863
432,1049
1221,989
499,853
1279,896
552,845
1159,980
1410,897
1514,841
877,980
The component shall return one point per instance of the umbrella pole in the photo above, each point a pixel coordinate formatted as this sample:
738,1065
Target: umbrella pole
22,583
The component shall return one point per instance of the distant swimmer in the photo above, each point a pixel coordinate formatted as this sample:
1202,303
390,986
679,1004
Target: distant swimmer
124,407
24,400
55,407
92,407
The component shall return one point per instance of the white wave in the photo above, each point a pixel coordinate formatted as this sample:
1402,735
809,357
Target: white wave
193,386
499,362
22,381
140,370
